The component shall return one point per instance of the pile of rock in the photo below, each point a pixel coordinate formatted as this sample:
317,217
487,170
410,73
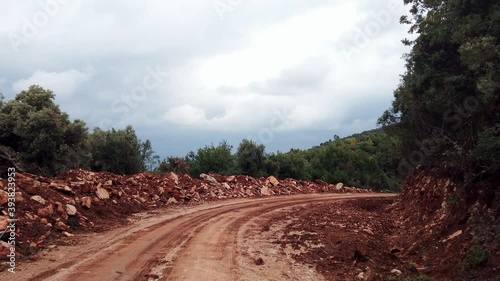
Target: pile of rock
80,199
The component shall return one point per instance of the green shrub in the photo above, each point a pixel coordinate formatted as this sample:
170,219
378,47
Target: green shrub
477,256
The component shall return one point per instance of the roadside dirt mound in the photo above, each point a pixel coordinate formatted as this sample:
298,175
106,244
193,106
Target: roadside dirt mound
347,240
439,228
80,201
450,229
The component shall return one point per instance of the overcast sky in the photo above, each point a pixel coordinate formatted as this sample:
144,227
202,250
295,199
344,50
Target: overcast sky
288,74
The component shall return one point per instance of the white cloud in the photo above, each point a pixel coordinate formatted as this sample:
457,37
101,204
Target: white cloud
277,47
268,64
63,84
186,115
291,67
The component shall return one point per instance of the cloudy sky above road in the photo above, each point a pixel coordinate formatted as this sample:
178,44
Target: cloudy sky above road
288,74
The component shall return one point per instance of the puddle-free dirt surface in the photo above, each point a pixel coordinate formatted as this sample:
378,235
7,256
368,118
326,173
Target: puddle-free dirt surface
231,240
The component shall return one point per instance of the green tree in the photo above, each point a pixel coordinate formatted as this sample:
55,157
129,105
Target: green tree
46,140
367,160
120,151
211,159
449,94
293,164
251,158
150,160
173,164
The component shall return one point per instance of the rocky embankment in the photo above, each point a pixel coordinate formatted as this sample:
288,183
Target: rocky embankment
79,200
448,226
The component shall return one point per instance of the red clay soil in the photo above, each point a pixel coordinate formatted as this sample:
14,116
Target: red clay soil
435,230
449,229
438,229
84,201
349,240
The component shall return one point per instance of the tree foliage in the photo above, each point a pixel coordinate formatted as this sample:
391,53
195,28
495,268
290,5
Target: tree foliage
293,164
366,160
251,158
176,165
149,159
34,126
448,98
47,141
120,151
212,159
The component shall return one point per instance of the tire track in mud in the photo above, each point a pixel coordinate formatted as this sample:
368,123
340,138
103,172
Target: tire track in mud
211,255
197,244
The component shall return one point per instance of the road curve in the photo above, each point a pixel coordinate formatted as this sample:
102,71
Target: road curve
189,243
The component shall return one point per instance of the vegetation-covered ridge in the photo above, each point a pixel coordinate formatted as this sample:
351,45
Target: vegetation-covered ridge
367,160
39,138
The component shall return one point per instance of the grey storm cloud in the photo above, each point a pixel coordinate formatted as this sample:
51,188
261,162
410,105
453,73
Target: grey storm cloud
297,69
306,77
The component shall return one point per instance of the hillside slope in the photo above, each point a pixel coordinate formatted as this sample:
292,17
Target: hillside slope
449,229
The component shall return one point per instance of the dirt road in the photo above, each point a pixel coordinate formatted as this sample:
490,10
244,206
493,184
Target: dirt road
215,241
